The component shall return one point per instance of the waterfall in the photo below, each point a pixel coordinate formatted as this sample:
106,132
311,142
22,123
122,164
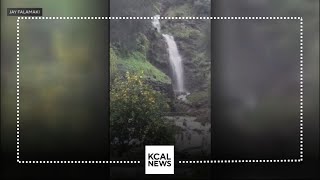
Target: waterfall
175,62
174,56
156,23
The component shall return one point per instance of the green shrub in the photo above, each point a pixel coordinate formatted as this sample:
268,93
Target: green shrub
136,114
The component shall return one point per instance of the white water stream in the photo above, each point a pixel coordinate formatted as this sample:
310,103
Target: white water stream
174,56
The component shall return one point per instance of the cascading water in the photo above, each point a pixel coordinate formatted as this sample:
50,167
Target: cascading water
174,56
175,62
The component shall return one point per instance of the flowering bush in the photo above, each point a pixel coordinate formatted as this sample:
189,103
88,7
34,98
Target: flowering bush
136,114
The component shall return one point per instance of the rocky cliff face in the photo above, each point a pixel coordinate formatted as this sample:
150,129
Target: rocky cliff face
157,53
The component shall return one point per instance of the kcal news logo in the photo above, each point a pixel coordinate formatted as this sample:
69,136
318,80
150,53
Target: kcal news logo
159,159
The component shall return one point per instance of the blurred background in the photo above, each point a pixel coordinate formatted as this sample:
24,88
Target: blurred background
63,89
256,88
257,76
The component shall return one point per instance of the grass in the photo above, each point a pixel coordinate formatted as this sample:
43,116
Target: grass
136,62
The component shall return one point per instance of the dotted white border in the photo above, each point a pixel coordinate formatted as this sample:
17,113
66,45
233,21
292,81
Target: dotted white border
301,89
241,161
162,17
79,162
182,162
18,90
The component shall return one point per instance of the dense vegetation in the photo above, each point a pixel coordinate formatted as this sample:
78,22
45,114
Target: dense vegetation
136,114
